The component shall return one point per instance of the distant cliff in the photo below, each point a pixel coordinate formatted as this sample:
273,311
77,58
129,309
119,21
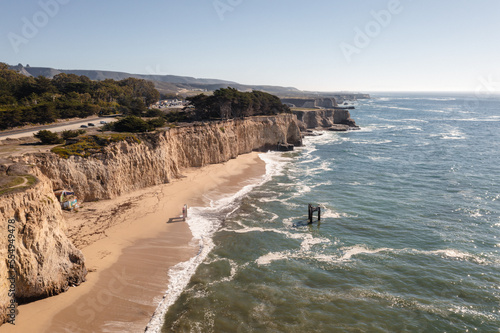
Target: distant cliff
310,102
326,119
45,261
160,157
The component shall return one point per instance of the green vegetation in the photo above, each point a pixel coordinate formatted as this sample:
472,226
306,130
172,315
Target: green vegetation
176,116
48,137
93,144
151,113
69,134
230,103
133,124
27,100
10,184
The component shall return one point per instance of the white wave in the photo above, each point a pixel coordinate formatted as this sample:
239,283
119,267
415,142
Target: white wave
324,166
290,204
272,256
309,241
317,158
475,119
327,138
305,253
349,252
233,270
179,277
416,120
399,108
371,142
437,111
416,128
329,213
203,223
270,199
453,134
288,222
379,158
445,99
455,254
327,183
275,163
463,310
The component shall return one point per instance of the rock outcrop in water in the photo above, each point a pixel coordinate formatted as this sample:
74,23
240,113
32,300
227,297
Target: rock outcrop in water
335,120
160,157
45,261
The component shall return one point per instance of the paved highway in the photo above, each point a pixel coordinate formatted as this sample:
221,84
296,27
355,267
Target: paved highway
16,134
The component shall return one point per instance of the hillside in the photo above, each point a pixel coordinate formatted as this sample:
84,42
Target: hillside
184,85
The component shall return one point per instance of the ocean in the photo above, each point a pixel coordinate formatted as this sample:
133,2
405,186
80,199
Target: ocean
408,241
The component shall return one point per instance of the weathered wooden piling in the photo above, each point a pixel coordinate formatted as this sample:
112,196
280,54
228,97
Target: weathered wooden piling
311,210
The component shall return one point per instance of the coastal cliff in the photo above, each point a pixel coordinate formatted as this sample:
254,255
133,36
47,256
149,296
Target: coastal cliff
157,158
45,261
325,118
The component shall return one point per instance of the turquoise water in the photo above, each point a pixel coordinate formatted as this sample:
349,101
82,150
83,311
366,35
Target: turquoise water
409,240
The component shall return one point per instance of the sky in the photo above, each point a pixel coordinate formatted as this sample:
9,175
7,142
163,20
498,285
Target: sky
316,45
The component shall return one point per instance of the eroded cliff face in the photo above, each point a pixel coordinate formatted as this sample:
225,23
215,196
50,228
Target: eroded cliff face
45,261
324,118
160,157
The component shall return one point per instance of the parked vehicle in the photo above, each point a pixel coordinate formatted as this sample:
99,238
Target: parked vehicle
84,126
91,124
103,122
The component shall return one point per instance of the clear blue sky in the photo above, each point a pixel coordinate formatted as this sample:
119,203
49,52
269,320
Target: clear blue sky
445,45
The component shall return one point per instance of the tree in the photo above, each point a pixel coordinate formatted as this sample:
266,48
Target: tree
48,137
231,103
131,124
155,123
68,134
151,113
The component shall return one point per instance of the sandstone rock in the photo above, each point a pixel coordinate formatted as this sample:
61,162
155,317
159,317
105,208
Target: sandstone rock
160,157
46,262
339,128
323,118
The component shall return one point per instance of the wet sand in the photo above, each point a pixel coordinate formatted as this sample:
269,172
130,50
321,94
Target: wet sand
129,251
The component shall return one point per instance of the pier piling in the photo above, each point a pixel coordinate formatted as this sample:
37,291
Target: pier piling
311,210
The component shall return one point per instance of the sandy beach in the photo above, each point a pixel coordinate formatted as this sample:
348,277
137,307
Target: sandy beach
129,244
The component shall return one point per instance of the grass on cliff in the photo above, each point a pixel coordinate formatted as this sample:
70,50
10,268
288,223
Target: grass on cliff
93,144
10,184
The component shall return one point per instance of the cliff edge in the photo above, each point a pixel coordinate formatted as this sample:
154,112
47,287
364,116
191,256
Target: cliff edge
157,158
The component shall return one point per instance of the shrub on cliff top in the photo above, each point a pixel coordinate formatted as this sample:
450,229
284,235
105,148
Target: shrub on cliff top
94,144
48,137
72,133
131,124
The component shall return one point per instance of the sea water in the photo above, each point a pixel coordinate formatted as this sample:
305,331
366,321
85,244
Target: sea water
408,241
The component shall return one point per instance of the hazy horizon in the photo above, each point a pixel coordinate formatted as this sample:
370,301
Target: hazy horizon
329,46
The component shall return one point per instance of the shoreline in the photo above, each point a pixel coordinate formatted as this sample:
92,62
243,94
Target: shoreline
128,259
